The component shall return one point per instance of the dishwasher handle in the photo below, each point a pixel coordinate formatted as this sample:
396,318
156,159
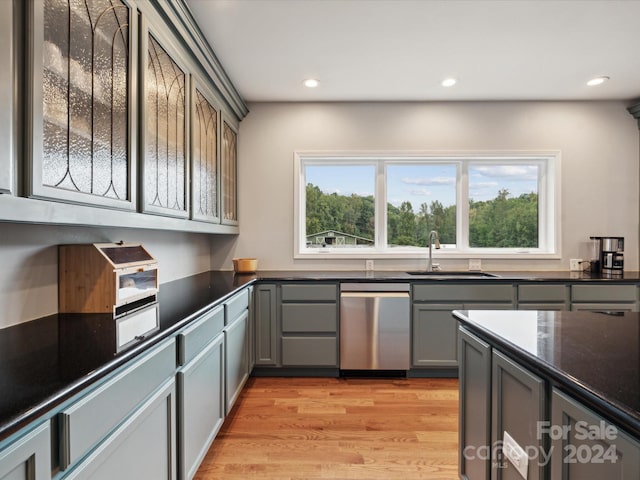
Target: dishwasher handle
374,287
374,295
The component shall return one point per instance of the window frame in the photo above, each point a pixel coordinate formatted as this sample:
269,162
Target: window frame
549,233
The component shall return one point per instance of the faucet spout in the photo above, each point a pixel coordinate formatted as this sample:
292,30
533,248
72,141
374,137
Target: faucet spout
433,235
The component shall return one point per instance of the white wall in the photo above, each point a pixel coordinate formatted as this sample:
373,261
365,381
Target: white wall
600,173
29,262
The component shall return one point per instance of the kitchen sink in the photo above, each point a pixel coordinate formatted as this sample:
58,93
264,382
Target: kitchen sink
442,273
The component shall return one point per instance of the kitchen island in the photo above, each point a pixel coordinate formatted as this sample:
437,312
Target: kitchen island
553,394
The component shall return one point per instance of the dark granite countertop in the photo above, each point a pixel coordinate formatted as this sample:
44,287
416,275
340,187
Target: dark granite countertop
45,361
388,276
595,357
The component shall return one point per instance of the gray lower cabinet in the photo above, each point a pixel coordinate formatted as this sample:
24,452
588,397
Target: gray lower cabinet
202,405
517,408
266,325
434,330
600,296
543,296
585,447
309,325
90,421
475,407
28,457
236,358
434,335
144,446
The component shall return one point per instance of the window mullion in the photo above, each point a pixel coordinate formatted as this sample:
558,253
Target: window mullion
462,210
381,210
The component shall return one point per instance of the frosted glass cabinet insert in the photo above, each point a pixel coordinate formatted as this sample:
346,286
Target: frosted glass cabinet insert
229,172
165,165
83,72
205,155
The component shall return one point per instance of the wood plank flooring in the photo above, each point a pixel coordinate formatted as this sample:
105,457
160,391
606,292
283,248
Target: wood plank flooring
319,428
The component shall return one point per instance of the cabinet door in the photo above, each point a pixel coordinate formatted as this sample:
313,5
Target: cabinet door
229,171
205,154
143,446
266,325
165,123
518,407
201,410
83,119
236,358
435,336
6,100
609,454
475,406
28,458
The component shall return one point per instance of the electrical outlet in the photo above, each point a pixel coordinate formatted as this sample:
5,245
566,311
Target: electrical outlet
574,264
475,264
368,265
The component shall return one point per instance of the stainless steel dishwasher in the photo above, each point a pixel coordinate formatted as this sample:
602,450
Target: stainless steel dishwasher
374,326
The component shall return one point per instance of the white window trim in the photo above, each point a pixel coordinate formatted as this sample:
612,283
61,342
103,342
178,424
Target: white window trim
549,203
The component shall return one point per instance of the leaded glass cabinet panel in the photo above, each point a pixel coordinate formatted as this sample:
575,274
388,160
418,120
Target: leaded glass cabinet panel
205,155
6,100
84,55
165,165
229,171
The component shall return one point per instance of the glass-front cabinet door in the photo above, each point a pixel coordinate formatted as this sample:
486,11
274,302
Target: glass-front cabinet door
83,104
6,99
205,154
229,170
165,165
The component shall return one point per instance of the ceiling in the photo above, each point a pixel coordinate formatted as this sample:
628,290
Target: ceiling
401,50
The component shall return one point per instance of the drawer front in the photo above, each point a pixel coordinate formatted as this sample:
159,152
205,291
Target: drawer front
310,351
604,293
554,292
322,317
91,418
466,292
236,305
309,293
197,336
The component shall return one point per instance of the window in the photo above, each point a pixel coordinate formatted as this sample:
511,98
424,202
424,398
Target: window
361,205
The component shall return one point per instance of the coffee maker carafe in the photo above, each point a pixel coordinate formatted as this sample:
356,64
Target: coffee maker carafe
608,255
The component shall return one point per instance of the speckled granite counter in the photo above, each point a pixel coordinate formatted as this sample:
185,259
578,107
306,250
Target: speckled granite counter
45,361
595,357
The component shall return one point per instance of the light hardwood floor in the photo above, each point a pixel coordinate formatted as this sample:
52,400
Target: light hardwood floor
318,428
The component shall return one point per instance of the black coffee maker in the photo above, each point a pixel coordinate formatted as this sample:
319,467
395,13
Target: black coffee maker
608,255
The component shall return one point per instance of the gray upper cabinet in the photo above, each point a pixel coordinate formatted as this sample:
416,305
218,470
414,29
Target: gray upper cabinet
165,125
6,100
205,153
229,171
82,71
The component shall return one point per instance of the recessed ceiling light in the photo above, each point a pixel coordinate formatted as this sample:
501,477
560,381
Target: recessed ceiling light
597,81
311,83
449,82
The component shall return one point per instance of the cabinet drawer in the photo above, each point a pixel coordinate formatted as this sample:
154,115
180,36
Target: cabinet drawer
310,293
554,292
310,351
604,293
467,292
90,419
197,336
309,317
235,306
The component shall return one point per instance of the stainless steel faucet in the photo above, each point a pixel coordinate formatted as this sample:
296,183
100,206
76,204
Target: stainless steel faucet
433,235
